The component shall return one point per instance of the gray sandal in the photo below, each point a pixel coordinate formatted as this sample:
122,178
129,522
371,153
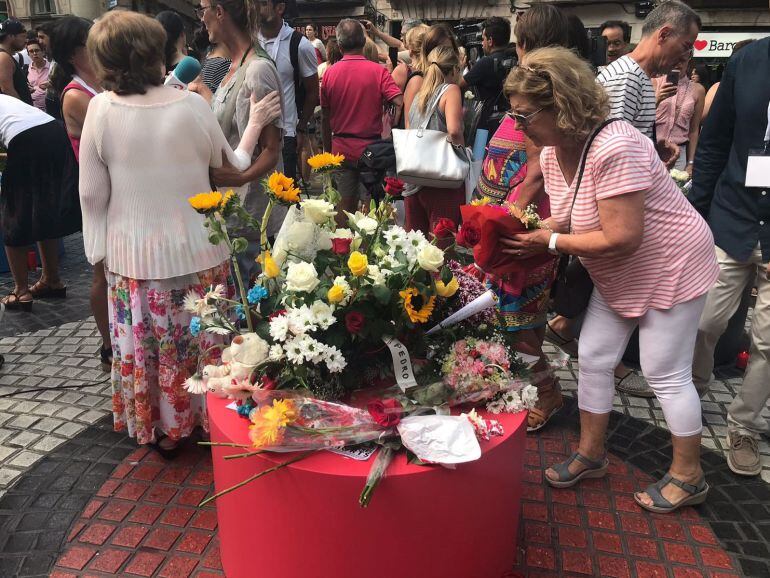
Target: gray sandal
594,469
661,505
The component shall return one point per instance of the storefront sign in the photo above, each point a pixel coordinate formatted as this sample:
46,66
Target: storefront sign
720,44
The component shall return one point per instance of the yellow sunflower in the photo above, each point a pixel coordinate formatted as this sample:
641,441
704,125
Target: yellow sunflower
425,310
282,187
481,202
205,203
325,161
270,421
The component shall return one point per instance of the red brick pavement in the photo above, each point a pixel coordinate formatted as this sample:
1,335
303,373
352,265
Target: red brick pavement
144,521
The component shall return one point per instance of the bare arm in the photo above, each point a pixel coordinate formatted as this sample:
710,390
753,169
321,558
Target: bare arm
74,107
312,92
453,112
622,228
270,143
399,75
709,99
398,103
386,38
7,68
412,88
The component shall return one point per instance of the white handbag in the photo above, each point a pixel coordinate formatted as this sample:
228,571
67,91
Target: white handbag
426,157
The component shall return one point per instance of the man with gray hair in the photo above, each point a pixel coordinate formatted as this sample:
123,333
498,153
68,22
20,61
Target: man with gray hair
668,34
353,94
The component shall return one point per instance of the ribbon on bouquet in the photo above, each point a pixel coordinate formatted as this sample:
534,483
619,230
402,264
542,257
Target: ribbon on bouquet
402,363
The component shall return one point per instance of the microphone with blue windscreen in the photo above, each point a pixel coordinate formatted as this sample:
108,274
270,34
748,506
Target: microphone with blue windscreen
185,72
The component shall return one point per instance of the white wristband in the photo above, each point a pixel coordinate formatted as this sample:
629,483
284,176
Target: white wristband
552,244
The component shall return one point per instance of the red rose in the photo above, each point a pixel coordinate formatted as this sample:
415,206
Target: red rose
341,246
469,235
444,228
386,412
275,314
268,383
393,186
354,322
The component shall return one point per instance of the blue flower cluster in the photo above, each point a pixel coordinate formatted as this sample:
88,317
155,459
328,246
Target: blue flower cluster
245,407
195,326
240,312
256,294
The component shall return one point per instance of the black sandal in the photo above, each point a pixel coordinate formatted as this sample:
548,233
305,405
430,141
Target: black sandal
106,356
12,302
41,290
166,453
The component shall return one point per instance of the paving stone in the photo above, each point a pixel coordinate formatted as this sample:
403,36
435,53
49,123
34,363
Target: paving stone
23,439
25,459
91,416
48,424
48,443
8,475
69,413
70,429
23,421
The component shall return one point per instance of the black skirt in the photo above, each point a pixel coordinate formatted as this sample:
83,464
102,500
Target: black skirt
39,197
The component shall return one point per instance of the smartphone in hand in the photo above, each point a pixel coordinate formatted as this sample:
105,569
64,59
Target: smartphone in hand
673,77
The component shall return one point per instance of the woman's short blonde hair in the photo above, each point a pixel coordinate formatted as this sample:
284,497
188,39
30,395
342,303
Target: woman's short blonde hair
126,50
414,38
557,78
371,51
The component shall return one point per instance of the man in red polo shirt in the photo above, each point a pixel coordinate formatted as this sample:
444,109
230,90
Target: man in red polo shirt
353,94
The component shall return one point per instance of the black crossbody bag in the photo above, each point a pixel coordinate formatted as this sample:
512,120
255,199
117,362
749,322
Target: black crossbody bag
572,289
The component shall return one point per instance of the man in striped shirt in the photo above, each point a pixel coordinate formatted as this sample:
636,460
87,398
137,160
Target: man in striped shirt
668,33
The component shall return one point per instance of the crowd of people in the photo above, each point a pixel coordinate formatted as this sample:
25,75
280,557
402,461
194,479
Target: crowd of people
589,149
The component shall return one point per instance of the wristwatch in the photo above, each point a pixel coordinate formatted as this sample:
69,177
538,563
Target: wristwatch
552,244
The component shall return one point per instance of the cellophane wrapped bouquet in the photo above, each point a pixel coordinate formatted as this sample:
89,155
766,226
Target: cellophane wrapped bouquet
331,344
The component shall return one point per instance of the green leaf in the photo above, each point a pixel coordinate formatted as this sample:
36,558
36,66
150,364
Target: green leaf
382,294
240,245
446,275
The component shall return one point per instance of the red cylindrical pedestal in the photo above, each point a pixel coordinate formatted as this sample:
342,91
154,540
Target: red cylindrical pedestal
304,521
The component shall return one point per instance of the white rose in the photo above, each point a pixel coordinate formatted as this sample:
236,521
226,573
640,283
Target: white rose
362,222
469,95
318,210
342,234
430,258
301,277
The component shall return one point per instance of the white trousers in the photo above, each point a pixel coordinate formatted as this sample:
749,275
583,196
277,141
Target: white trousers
666,344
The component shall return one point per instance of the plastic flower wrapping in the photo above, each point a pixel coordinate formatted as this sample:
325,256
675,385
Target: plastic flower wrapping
353,327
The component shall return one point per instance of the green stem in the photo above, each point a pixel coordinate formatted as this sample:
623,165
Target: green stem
263,226
224,444
237,271
254,477
246,455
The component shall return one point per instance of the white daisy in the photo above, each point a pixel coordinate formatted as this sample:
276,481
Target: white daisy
279,327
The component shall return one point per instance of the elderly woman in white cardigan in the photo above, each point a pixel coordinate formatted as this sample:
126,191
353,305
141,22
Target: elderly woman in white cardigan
145,149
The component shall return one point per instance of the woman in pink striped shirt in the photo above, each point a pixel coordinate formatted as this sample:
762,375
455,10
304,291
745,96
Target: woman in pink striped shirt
649,253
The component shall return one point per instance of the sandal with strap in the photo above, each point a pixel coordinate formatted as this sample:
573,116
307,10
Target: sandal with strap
42,290
12,302
661,505
549,402
594,469
568,346
166,453
105,354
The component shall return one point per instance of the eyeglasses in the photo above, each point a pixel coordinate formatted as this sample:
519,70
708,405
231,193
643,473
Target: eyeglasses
523,120
201,10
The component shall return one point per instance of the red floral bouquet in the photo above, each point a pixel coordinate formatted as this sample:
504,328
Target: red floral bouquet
482,228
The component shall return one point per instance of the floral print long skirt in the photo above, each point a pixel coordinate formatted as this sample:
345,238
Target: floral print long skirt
154,353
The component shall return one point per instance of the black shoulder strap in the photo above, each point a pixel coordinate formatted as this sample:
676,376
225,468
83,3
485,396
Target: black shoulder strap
583,160
296,38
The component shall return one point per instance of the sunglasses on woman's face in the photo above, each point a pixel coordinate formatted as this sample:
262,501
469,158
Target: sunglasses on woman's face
523,120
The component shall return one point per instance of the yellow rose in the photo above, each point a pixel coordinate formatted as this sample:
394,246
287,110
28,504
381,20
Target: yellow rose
336,294
449,289
269,267
358,264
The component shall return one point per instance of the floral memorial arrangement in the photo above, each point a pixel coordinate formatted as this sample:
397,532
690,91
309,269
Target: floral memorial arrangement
354,334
